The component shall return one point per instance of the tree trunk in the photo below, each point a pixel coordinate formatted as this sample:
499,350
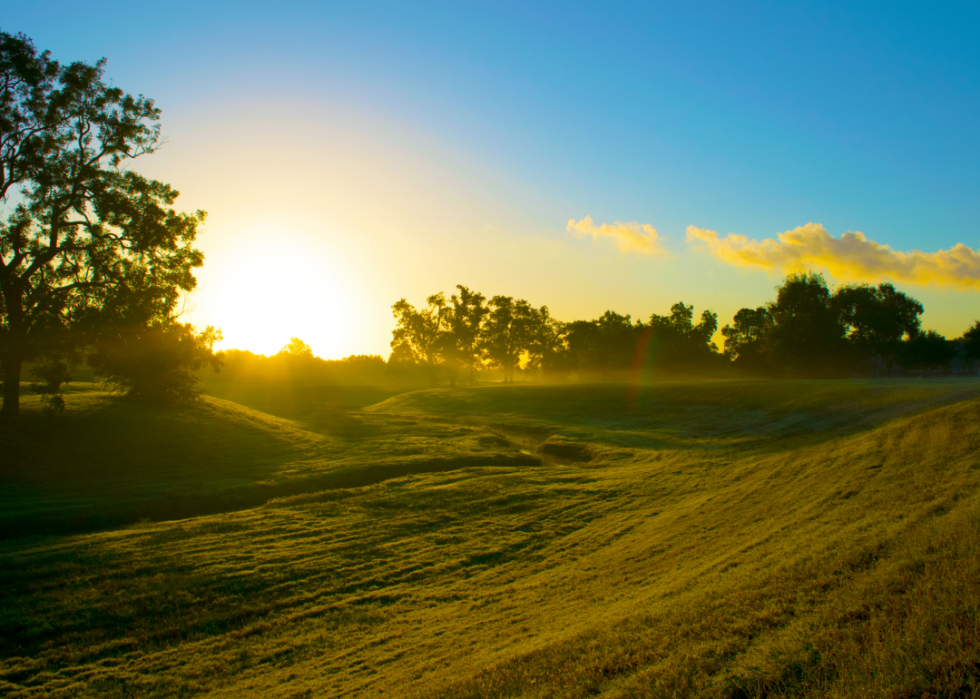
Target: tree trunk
11,385
12,357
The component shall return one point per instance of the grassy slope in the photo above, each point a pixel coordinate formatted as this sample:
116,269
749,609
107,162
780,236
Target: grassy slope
110,462
721,539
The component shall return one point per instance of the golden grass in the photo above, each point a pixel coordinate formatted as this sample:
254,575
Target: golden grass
721,540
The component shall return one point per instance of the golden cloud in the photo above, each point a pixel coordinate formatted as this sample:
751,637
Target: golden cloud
850,258
630,237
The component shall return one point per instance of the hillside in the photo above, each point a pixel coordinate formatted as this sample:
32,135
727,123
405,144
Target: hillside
110,462
712,539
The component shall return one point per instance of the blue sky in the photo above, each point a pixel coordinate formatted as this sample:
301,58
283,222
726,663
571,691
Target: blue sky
415,146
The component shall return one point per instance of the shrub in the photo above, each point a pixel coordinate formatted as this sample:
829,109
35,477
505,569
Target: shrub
156,363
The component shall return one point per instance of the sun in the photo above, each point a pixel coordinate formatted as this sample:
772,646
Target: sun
274,284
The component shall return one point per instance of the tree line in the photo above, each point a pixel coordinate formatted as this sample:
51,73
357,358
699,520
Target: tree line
808,331
811,331
466,332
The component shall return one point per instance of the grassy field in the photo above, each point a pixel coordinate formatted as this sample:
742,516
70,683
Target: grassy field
716,539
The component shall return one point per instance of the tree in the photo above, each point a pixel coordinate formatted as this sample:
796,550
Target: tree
677,343
746,338
296,348
84,232
615,341
807,337
460,348
582,341
547,350
508,330
928,351
156,363
418,336
876,319
971,343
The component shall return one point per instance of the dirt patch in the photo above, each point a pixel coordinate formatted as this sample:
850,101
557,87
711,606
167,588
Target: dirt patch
568,451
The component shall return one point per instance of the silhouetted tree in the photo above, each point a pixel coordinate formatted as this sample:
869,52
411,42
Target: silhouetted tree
677,343
745,339
547,351
507,334
971,343
84,229
609,345
928,351
460,341
876,318
156,363
583,346
604,346
807,338
419,334
296,348
615,342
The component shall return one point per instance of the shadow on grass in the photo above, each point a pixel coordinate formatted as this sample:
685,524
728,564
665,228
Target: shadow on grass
112,463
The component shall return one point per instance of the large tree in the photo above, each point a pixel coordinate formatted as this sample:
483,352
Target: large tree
876,319
971,342
78,232
583,346
419,335
746,337
547,350
615,341
677,343
807,337
603,347
460,344
927,351
508,332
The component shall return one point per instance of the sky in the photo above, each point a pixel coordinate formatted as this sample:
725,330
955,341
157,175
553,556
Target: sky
583,156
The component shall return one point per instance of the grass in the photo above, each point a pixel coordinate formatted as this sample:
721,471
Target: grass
717,539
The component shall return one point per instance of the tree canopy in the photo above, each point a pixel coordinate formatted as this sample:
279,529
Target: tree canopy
678,342
419,334
746,338
811,331
83,241
971,342
509,331
876,319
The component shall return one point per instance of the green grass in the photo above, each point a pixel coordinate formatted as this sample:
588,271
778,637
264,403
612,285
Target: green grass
718,539
110,461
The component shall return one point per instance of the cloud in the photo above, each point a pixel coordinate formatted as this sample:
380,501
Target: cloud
630,237
850,258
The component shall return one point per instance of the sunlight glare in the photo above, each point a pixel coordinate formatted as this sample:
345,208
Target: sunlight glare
277,284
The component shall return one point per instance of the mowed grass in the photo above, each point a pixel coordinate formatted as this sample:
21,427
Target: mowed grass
110,461
739,539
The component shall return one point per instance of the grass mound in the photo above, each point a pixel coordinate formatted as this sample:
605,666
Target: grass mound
826,545
110,462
